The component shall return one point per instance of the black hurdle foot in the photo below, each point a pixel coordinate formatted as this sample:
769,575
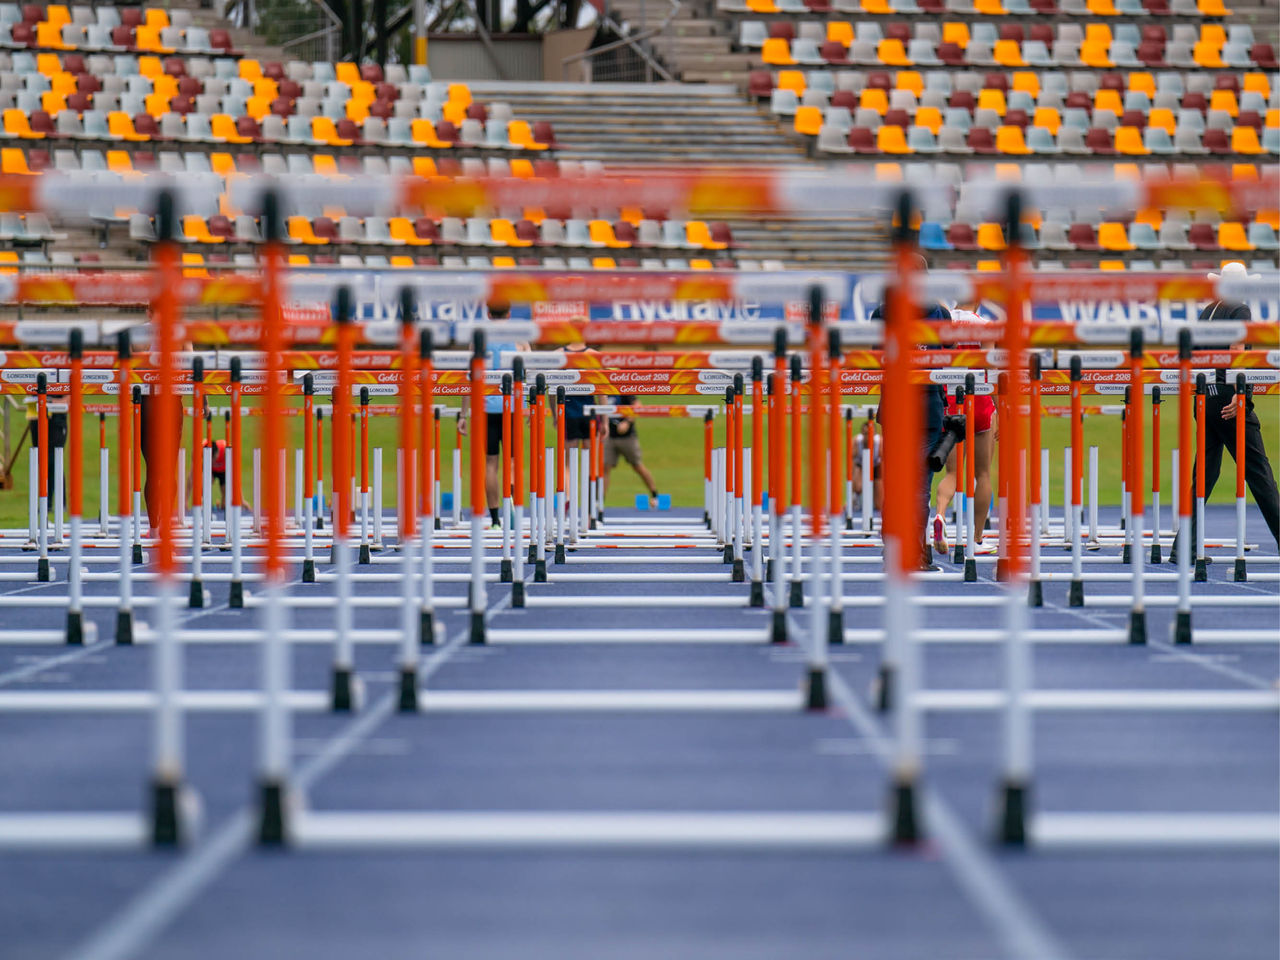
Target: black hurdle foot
739,572
1137,627
517,594
1075,594
816,689
124,627
882,689
1202,570
426,627
757,593
195,596
835,626
1182,627
778,631
43,573
166,814
137,554
365,555
1012,828
970,570
504,570
559,558
476,635
904,814
540,571
768,569
1155,551
797,593
1241,572
957,555
727,553
1126,554
1035,594
75,629
342,694
272,820
235,599
308,571
408,702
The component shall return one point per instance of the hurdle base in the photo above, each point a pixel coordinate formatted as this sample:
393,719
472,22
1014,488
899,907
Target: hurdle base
235,597
75,628
1002,570
365,555
1182,627
797,593
882,689
308,571
739,571
1137,627
1155,551
408,702
1012,826
1035,594
533,553
970,570
124,628
342,692
476,635
1075,594
439,524
504,570
903,813
1126,553
1202,570
757,593
43,573
1241,574
168,825
835,627
195,596
137,555
816,689
957,555
768,569
426,627
273,822
540,571
517,594
778,630
848,523
727,553
559,557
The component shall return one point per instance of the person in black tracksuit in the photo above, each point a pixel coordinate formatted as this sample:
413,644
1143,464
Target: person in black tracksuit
1220,432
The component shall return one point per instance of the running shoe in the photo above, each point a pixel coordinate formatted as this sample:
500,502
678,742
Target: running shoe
939,534
985,550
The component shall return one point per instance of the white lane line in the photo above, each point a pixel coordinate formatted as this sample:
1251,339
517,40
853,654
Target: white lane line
146,916
1015,923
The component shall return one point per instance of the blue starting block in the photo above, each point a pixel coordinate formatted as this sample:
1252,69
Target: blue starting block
446,502
664,501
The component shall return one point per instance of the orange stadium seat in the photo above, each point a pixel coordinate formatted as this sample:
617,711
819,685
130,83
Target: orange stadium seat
499,263
120,126
1047,117
1009,140
1244,139
808,120
401,230
909,80
891,138
957,33
9,256
1008,53
604,263
777,52
519,133
1142,82
873,98
1027,81
1160,117
840,31
1108,100
14,160
992,99
1232,236
1102,8
930,117
1113,236
1129,142
1208,55
193,265
892,53
990,236
697,232
1117,266
1224,100
1095,55
762,6
323,130
1257,83
792,80
16,125
299,230
197,230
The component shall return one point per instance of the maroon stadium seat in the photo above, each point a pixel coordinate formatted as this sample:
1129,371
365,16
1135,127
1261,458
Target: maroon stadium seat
963,99
721,233
371,73
477,111
951,54
898,31
145,124
528,230
863,140
1214,140
1098,140
1080,99
818,6
1157,8
447,132
996,81
122,36
182,105
624,231
80,102
981,140
1154,33
23,33
325,229
1194,100
1134,118
1083,237
282,106
387,91
1042,32
931,6
32,13
426,229
1203,236
248,127
38,160
1151,54
220,226
1016,118
834,52
220,40
845,98
960,236
1011,31
88,84
348,129
1046,7
73,63
1264,55
41,122
543,132
760,84
383,109
449,166
175,66
1250,118
1111,81
897,118
273,70
190,86
1227,81
879,80
132,16
782,30
289,88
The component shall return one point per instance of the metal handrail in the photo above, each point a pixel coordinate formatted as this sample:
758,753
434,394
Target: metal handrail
630,41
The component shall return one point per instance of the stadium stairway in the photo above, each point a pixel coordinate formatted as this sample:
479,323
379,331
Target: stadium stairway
648,123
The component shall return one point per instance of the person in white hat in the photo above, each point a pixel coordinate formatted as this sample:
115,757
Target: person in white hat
1220,414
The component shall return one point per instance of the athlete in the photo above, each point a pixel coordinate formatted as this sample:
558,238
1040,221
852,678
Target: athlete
624,443
984,434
